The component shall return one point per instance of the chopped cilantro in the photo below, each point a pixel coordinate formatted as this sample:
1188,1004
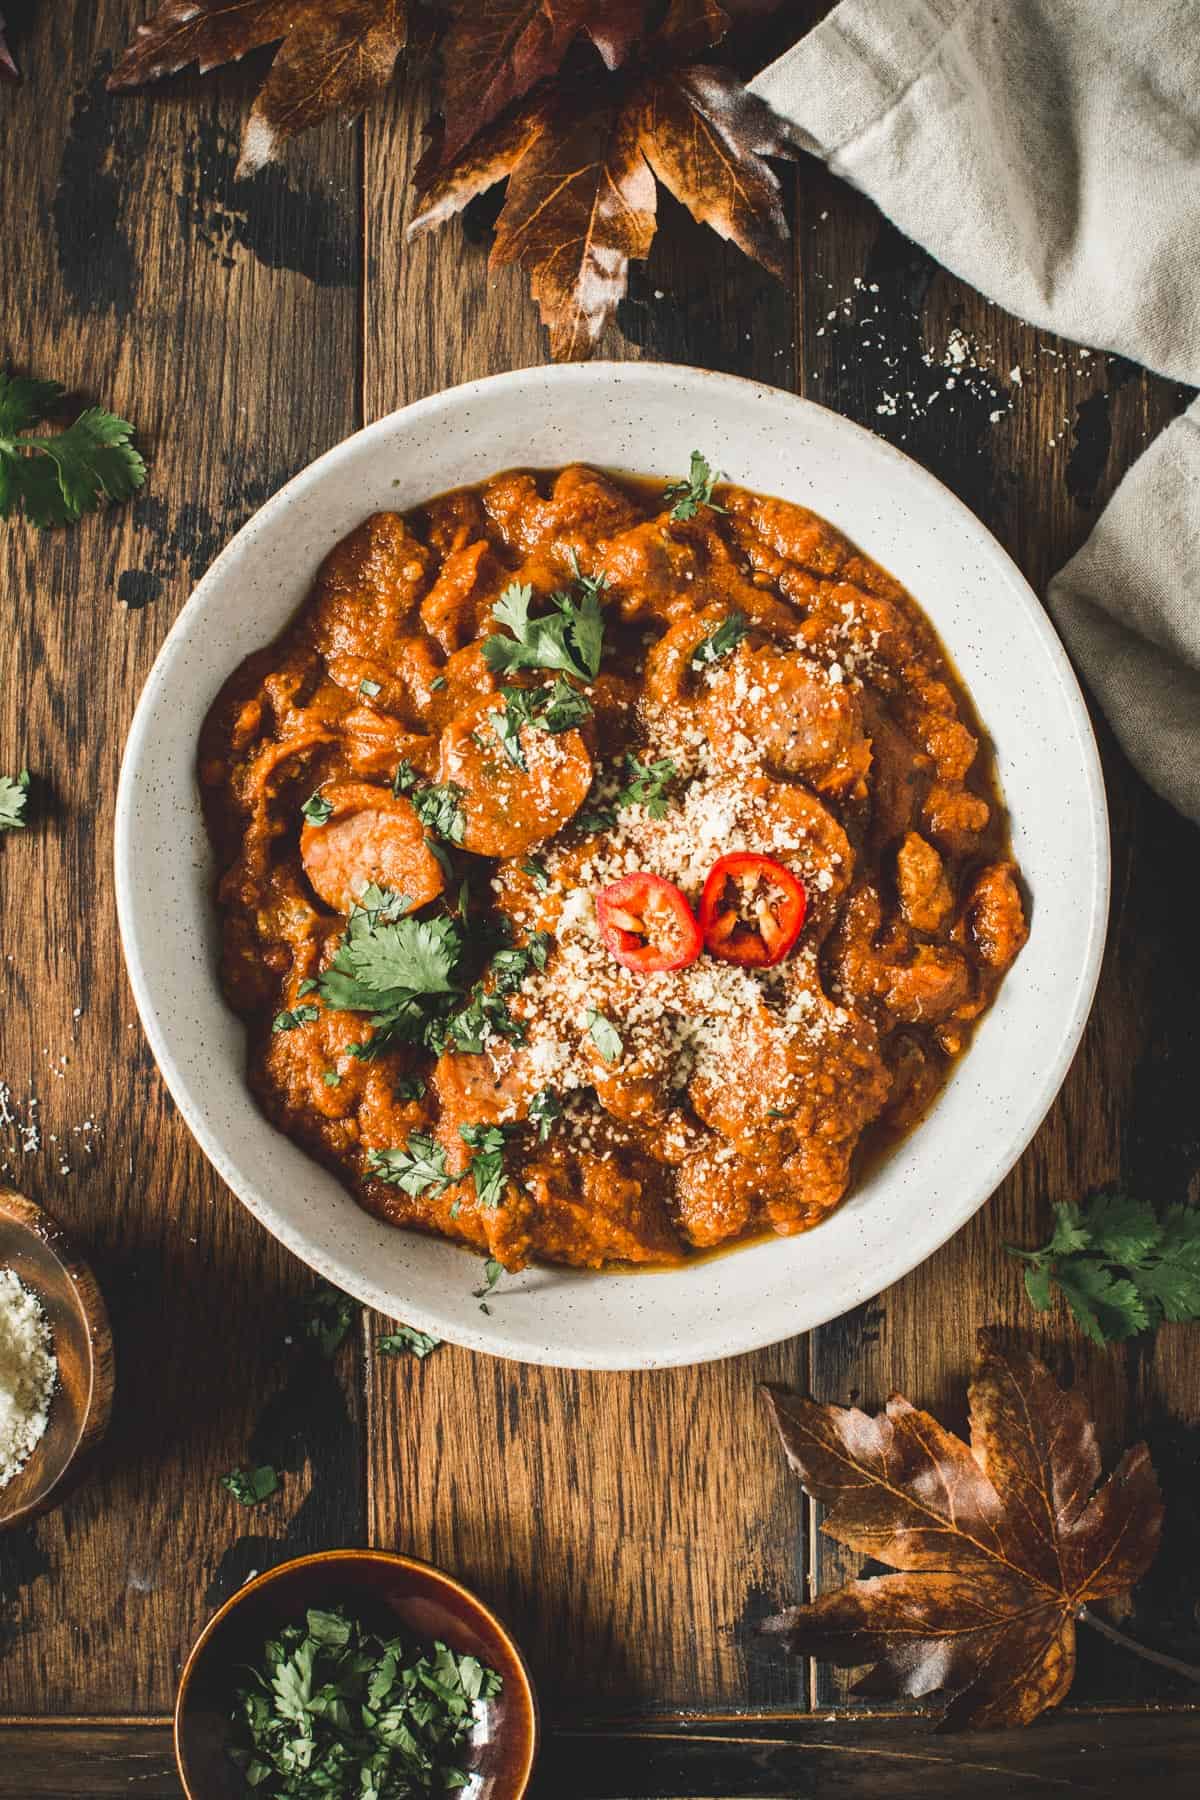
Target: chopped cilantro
407,1338
369,689
695,491
409,1087
544,1110
250,1486
300,1015
439,681
332,1710
570,637
492,1271
440,810
648,785
486,1013
536,871
486,1167
553,709
56,479
720,641
420,1168
14,792
317,810
324,1316
604,1035
485,1016
331,1078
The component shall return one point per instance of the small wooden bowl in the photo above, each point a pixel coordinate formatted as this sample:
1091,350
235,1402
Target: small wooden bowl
425,1602
39,1251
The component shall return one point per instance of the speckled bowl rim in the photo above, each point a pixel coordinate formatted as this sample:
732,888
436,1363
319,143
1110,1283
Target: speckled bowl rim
1059,1034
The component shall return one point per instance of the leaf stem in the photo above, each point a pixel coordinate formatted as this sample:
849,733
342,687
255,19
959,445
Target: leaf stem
1189,1671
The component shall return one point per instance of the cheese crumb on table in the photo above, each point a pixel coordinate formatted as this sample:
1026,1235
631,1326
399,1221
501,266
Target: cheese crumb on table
28,1371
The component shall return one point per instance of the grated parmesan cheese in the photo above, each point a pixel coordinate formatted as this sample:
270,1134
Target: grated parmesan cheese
28,1371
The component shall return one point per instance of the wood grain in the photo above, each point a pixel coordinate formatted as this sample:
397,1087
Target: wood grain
1095,1754
625,1525
136,272
1128,1109
633,1529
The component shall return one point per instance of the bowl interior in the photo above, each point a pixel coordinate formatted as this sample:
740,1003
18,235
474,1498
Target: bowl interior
379,1587
640,417
34,1246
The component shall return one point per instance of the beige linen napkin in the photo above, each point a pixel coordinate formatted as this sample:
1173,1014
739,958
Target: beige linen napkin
1048,151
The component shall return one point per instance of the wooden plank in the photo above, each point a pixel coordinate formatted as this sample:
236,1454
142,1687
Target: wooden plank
1037,475
1094,1754
629,1527
222,319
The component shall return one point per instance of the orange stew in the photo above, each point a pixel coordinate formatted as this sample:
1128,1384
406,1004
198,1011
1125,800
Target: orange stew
595,882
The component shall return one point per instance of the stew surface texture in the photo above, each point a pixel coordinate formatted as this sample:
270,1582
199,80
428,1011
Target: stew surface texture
599,863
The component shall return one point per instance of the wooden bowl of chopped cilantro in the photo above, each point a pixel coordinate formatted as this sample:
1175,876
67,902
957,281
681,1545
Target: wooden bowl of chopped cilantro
359,1673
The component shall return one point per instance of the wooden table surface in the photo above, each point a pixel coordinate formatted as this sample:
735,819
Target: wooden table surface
633,1528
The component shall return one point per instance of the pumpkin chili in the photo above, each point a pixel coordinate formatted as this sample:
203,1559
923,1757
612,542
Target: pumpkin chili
521,753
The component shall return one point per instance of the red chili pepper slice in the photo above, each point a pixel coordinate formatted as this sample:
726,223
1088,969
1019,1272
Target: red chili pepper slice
647,923
751,910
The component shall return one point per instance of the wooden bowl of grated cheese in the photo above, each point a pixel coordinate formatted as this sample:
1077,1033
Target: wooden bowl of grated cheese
56,1362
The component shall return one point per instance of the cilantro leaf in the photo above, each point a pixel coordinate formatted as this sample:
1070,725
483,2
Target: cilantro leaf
402,972
486,1167
406,1338
56,479
536,871
14,793
409,1087
604,1035
299,1015
492,1271
324,1316
545,1109
570,637
648,785
420,1168
720,641
317,810
250,1486
695,491
1120,1267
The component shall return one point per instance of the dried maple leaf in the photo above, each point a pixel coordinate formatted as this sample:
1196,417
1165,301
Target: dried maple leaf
581,161
333,56
494,51
1000,1543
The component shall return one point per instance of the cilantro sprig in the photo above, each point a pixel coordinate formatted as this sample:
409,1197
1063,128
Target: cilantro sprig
695,490
402,972
1121,1268
55,479
333,1708
14,795
419,1168
569,638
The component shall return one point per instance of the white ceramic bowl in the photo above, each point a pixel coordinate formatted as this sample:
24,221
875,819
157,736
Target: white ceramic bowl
646,418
